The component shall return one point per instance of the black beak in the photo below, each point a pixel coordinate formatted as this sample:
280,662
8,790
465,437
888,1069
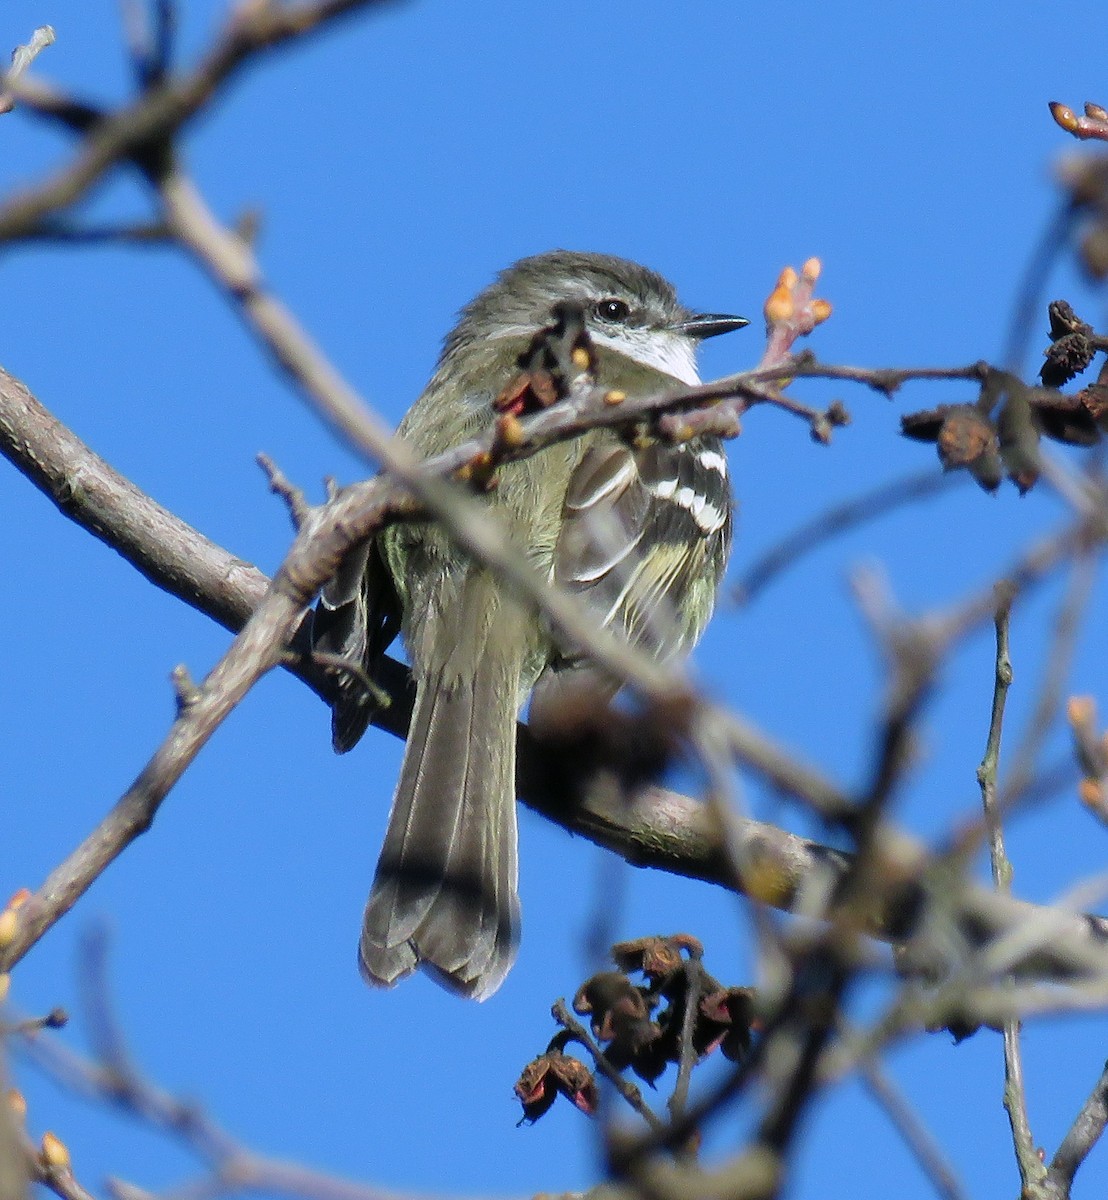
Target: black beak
706,325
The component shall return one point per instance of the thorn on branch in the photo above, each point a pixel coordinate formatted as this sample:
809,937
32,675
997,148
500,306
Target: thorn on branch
280,485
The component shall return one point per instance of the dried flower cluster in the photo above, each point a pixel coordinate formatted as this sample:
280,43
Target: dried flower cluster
672,1012
998,435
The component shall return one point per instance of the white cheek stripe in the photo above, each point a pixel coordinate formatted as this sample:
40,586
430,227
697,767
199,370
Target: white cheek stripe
671,353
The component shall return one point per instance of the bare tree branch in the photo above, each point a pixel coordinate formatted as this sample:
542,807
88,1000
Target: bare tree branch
918,1138
230,1166
1015,1094
141,131
1083,1134
659,829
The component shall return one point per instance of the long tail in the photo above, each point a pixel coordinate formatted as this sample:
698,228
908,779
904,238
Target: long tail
445,893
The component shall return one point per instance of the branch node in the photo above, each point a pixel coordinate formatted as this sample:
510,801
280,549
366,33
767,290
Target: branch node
185,690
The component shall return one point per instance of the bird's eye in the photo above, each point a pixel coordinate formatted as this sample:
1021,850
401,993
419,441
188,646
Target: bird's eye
613,309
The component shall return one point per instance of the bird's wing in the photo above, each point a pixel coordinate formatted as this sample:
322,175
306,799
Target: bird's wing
356,619
645,538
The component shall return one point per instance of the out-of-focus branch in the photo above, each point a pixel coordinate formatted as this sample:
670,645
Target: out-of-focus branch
916,1135
231,1167
141,131
49,1165
14,1168
832,522
150,29
1066,630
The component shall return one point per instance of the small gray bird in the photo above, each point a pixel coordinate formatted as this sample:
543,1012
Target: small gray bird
641,535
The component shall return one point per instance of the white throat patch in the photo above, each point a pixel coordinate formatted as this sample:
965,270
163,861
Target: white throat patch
663,350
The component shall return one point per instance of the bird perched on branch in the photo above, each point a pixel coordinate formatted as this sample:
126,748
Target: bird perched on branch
640,532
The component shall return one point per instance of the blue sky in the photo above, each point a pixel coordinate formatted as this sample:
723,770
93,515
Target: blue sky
398,162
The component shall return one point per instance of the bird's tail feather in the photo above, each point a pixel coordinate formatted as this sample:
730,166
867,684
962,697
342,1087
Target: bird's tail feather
445,893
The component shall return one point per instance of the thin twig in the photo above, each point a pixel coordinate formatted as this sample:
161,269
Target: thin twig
65,233
150,27
231,1167
1083,1134
694,990
1058,661
918,1138
623,1086
987,771
1015,1095
134,130
836,520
